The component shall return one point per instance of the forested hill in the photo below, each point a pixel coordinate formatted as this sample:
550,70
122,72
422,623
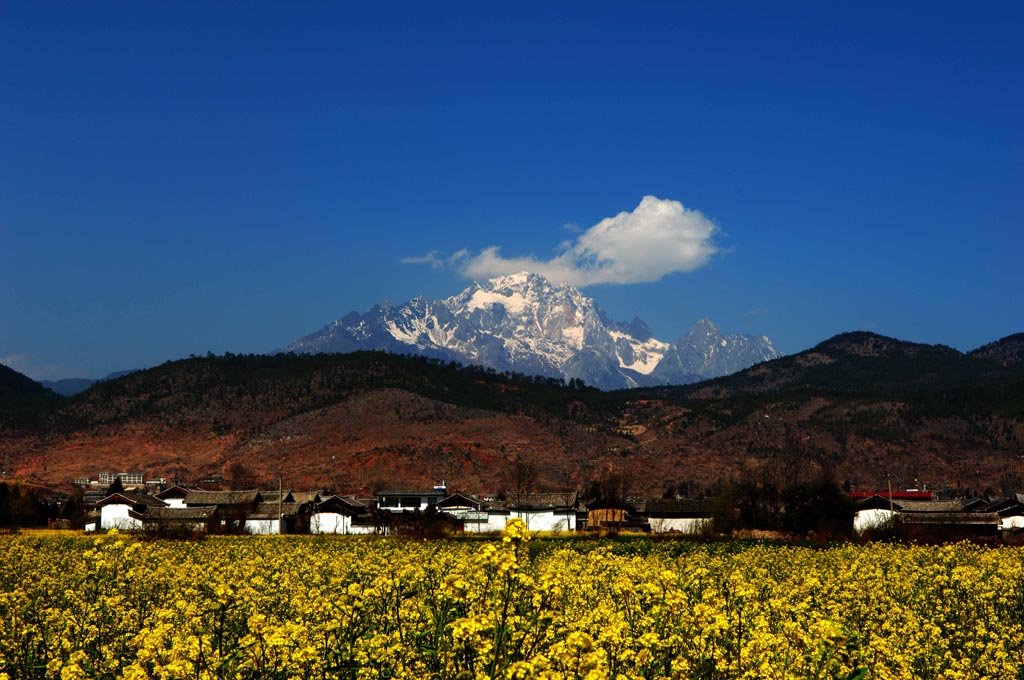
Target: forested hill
247,392
22,399
858,406
868,365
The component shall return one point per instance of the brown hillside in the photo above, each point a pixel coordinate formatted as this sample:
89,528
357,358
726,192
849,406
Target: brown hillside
859,409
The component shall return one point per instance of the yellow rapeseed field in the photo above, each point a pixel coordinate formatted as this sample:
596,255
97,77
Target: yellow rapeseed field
347,607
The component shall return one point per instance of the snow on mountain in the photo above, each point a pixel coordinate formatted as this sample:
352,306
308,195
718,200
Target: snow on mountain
705,351
524,323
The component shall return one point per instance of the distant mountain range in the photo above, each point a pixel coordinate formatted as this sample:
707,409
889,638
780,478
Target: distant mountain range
71,386
525,324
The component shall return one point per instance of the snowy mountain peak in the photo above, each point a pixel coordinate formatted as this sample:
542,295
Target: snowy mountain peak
704,327
523,323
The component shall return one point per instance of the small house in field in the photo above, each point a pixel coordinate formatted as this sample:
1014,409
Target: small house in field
945,520
874,512
469,511
677,515
234,506
278,518
397,500
124,511
1009,509
610,514
174,496
544,511
337,515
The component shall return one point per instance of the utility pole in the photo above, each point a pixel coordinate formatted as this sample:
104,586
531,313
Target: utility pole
280,502
892,512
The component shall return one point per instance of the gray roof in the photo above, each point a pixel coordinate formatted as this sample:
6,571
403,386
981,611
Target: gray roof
135,499
223,498
176,491
949,518
271,496
179,514
462,500
306,496
348,503
931,506
271,510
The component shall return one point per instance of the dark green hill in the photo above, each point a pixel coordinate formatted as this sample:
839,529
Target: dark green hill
858,406
250,391
1008,351
870,367
856,363
22,399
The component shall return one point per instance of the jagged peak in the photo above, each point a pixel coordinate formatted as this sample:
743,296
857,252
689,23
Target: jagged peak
523,281
636,328
704,328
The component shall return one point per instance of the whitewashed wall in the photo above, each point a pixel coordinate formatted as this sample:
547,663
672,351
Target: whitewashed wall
262,527
115,516
682,525
546,520
871,519
1008,523
329,523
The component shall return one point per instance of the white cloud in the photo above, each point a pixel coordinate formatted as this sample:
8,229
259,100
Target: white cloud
433,258
658,238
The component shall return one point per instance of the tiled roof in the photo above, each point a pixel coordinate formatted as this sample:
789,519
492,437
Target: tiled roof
223,498
271,496
342,502
932,506
271,510
175,491
179,514
459,500
135,499
961,518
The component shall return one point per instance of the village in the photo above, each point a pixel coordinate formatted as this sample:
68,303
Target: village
182,509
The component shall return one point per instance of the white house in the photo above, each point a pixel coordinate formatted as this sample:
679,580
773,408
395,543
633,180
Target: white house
123,511
174,496
474,514
278,518
334,515
409,501
678,515
554,512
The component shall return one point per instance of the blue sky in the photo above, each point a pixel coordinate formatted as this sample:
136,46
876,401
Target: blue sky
178,178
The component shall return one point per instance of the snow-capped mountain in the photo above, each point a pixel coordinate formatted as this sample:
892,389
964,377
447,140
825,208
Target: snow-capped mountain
524,323
705,351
